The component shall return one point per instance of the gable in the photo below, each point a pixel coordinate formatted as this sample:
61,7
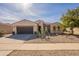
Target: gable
24,23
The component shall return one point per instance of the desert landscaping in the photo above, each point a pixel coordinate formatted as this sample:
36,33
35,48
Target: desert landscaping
54,46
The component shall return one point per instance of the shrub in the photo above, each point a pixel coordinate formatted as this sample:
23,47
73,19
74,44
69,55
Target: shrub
1,34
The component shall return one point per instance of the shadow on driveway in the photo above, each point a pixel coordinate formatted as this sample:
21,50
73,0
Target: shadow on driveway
24,37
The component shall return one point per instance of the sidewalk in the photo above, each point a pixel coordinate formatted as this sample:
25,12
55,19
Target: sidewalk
49,46
7,48
43,46
4,53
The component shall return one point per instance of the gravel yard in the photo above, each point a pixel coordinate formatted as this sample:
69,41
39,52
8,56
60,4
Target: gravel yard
56,39
44,53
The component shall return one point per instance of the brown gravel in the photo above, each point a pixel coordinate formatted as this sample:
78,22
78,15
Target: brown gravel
44,53
56,39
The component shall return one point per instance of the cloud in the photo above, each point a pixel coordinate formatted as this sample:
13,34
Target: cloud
51,19
14,12
7,15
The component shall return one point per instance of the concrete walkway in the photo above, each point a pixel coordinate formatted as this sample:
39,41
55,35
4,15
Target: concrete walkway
4,53
49,46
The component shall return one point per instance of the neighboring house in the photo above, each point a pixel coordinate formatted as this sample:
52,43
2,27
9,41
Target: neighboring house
6,28
56,28
30,27
25,27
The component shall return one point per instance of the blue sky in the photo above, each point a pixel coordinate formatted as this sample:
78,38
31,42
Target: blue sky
49,12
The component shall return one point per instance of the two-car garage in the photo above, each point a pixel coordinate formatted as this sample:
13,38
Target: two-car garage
25,30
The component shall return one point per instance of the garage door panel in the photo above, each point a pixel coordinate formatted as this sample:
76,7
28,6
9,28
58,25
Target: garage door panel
25,30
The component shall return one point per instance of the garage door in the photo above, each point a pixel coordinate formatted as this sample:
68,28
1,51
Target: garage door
25,30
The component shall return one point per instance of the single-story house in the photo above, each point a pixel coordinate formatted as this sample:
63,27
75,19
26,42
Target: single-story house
30,27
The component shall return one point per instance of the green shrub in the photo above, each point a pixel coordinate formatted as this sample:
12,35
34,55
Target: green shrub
1,34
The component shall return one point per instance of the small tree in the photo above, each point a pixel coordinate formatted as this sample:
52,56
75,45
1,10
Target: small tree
71,19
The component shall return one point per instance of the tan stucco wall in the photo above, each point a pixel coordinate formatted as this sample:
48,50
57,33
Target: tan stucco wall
57,31
14,29
76,31
35,28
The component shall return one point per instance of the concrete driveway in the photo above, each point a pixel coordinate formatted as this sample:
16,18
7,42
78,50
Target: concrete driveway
16,38
24,37
5,40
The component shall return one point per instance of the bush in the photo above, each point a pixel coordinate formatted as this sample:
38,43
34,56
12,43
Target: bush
1,34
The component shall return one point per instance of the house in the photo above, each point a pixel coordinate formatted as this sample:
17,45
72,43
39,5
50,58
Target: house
25,27
6,28
30,27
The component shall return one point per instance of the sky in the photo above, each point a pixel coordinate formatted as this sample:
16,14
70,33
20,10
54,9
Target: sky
49,12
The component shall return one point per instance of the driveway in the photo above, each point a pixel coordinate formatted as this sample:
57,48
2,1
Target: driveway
24,37
16,38
5,40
